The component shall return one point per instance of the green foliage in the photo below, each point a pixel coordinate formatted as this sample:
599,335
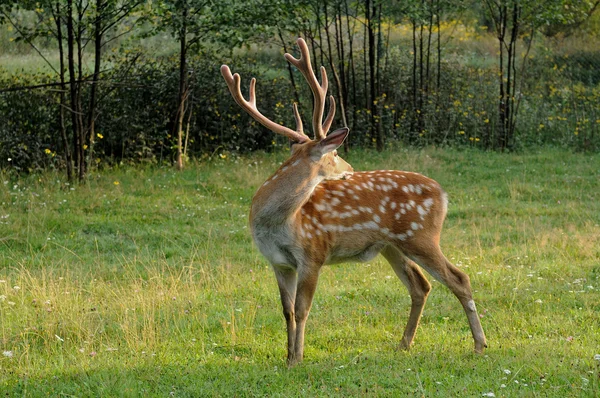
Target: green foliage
143,281
28,129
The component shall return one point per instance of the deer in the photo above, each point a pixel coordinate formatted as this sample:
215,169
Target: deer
316,210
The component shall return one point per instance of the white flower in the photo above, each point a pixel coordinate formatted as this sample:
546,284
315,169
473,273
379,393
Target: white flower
8,354
538,301
17,287
597,357
488,394
507,371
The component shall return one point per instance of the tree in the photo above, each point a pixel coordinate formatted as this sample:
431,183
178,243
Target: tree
514,20
73,24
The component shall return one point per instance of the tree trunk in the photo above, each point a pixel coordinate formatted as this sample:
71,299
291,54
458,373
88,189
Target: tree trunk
501,139
79,91
351,62
73,84
182,86
63,89
100,5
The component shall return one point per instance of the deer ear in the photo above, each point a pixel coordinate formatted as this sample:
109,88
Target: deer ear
332,141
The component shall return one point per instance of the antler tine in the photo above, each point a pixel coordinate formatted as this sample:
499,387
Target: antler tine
330,115
234,85
319,91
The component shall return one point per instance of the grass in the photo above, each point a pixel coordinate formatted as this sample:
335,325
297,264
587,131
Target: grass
144,282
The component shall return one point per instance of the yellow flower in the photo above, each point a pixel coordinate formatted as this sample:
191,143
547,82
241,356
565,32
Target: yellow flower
116,182
541,125
486,120
99,135
461,132
48,151
222,156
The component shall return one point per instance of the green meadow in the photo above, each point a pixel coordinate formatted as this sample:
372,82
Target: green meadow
143,281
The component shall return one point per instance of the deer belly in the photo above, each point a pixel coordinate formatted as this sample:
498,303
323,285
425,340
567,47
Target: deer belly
275,251
353,254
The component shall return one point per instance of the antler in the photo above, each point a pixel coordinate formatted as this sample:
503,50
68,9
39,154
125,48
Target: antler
319,90
233,82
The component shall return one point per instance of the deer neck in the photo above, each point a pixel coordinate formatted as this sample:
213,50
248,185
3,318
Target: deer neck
279,199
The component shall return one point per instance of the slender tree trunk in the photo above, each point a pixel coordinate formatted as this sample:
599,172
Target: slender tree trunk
336,77
421,81
428,57
351,61
501,139
79,91
439,49
183,87
73,84
365,57
100,5
343,83
379,46
370,15
318,21
511,76
61,113
413,120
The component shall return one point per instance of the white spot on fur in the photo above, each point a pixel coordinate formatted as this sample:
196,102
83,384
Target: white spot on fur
371,225
376,218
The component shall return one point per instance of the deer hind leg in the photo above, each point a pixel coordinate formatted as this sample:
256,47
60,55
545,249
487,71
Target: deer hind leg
286,280
418,288
433,261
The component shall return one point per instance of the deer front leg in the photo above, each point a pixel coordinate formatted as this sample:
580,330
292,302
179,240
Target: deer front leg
286,280
305,291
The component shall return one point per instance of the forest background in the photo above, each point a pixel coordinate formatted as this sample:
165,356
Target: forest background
89,83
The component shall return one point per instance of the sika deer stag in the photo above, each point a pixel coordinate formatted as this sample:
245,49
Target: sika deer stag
315,210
